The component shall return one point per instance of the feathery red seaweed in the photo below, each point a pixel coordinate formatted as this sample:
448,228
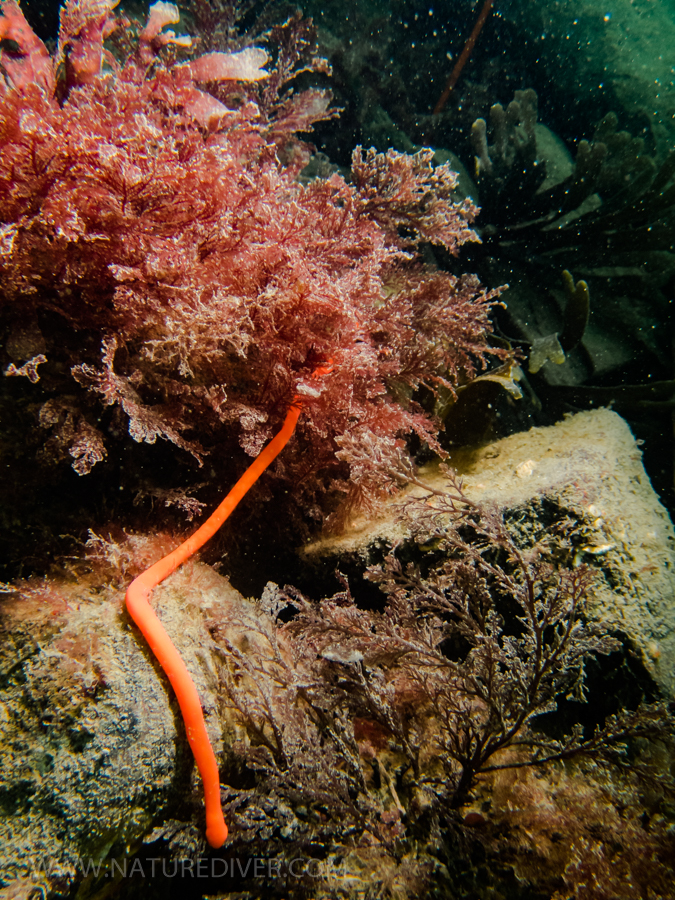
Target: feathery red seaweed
165,224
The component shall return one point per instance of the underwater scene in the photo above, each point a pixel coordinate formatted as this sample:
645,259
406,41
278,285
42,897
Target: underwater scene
337,450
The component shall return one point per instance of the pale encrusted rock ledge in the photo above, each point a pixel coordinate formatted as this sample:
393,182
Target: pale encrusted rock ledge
591,465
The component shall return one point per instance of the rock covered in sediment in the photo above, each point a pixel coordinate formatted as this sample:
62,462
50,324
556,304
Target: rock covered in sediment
590,466
92,745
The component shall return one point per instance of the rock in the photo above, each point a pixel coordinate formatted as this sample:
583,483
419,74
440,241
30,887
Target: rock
93,748
588,464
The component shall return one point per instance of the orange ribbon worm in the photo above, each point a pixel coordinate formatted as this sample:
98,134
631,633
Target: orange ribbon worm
137,601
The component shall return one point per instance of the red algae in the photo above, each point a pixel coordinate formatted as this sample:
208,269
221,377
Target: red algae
158,211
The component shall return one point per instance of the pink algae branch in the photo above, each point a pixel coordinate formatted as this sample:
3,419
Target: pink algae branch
35,66
153,35
83,27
